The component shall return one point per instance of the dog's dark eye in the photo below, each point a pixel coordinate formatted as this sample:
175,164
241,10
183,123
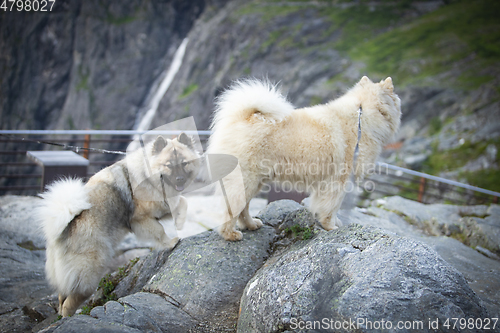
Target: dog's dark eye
169,165
184,164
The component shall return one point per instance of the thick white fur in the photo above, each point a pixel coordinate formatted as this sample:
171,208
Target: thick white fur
256,124
248,97
64,199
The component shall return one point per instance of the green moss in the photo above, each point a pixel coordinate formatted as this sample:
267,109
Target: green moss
189,90
120,20
435,42
360,23
300,232
465,214
435,126
315,100
461,237
107,285
86,310
409,189
83,84
452,159
71,123
486,178
268,11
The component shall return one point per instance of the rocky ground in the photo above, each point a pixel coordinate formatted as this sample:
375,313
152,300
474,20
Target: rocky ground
397,261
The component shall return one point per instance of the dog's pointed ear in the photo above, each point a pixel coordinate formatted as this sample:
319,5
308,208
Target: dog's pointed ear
387,84
185,140
364,80
158,145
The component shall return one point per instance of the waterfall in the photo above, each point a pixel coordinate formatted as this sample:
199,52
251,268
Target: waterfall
158,91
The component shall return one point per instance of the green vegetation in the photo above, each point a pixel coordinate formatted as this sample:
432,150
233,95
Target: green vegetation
107,285
440,161
409,189
433,43
389,41
71,123
455,158
358,24
435,126
465,214
487,178
267,10
83,83
117,20
189,90
300,232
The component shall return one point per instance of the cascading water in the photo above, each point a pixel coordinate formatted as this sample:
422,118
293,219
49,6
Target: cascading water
158,91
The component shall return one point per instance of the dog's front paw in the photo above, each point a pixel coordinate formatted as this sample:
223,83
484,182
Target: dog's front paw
168,244
172,243
232,235
254,224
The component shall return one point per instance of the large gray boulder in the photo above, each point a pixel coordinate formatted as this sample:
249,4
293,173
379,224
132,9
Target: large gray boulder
466,249
194,288
355,275
205,275
24,293
473,225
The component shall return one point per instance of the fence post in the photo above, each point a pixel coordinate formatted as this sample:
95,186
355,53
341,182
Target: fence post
86,145
421,189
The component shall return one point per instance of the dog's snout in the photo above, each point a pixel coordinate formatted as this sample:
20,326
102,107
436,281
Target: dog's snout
180,179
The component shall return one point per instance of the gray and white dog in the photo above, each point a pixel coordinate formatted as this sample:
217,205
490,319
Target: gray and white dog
83,223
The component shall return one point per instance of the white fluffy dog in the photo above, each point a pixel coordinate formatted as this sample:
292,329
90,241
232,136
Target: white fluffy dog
312,147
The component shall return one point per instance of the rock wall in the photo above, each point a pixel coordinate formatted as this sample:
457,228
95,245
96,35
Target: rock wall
87,64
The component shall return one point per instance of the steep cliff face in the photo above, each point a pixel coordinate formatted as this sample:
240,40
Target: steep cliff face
87,64
299,44
441,56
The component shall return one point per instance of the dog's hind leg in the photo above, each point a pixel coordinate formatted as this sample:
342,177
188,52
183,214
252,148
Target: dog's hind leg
228,230
71,303
248,221
239,193
326,202
62,298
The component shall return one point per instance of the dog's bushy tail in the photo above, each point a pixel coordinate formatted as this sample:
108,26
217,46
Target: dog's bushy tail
248,97
63,200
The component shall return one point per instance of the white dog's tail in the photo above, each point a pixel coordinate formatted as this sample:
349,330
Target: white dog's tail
63,200
248,97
